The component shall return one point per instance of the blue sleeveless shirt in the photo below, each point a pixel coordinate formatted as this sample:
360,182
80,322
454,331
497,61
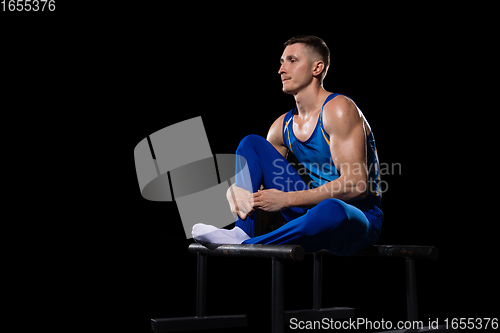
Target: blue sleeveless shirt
315,155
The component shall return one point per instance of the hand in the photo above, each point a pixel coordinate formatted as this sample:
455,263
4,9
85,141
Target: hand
271,200
240,201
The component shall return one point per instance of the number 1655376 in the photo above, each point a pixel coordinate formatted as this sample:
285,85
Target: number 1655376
28,5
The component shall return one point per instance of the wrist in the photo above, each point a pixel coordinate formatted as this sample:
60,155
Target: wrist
289,199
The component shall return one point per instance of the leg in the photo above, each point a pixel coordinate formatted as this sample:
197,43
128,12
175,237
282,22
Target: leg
332,224
265,166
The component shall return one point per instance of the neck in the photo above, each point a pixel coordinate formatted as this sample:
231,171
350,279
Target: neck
310,99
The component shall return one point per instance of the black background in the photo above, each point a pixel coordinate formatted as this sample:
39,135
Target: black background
102,80
405,86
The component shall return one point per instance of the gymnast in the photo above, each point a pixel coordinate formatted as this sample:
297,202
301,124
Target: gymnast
339,208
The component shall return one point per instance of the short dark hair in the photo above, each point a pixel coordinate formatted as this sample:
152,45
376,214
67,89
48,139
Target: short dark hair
317,45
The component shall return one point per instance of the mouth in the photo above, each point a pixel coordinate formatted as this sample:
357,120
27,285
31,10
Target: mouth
284,80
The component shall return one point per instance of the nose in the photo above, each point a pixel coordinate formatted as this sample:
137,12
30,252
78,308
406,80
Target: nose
282,69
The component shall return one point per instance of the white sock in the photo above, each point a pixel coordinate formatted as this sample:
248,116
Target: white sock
203,233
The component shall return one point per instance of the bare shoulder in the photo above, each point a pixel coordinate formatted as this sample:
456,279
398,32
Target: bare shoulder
274,135
341,115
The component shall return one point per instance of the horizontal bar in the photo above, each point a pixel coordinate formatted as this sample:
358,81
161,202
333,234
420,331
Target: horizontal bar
287,252
396,251
333,313
197,323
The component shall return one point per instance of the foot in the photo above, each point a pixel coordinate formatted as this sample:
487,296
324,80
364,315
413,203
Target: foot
203,233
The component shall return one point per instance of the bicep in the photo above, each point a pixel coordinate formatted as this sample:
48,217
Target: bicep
348,143
349,151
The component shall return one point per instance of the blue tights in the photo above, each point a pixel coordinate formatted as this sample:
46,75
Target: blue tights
334,225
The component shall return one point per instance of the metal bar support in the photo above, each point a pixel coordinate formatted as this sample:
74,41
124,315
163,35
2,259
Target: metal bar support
411,289
277,296
201,285
317,280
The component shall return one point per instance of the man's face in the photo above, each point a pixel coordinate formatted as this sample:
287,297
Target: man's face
295,70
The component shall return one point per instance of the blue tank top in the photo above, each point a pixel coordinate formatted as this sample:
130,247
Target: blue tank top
315,155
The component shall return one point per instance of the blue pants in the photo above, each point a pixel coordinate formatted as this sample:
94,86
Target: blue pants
334,225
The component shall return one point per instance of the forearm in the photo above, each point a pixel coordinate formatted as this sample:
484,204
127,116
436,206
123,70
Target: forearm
342,188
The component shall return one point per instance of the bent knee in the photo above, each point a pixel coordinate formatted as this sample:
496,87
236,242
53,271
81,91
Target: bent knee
252,140
333,208
324,217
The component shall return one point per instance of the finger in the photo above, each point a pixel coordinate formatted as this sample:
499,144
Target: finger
258,196
257,200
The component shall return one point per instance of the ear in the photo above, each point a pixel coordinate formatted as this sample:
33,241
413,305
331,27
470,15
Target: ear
318,67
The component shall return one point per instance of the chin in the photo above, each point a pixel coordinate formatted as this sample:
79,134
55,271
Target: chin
287,90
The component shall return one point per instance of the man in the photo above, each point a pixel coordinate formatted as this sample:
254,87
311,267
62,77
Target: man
339,209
